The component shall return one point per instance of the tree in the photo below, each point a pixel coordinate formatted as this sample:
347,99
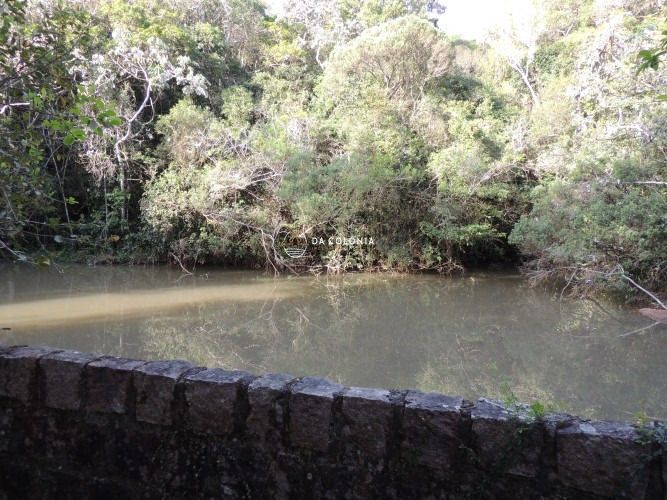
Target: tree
400,58
330,23
651,59
517,41
39,122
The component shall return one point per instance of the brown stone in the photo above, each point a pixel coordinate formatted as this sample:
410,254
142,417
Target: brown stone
432,429
107,384
603,458
506,441
310,407
367,415
18,368
155,383
211,398
267,398
62,373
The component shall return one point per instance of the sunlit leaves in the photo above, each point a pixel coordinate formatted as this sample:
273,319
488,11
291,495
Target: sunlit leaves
650,58
399,57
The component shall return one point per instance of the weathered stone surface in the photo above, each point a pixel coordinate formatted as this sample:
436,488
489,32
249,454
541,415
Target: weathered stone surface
310,407
62,378
603,458
432,429
211,397
107,384
155,383
505,441
551,423
663,445
18,367
267,398
306,438
367,416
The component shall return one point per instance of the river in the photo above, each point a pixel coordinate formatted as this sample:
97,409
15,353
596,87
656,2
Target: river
481,334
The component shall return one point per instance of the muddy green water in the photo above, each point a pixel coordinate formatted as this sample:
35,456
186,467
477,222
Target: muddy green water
476,335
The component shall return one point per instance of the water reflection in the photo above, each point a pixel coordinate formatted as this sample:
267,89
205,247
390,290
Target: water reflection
463,336
24,316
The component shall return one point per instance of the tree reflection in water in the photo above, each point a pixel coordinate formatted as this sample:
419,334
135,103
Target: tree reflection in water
466,336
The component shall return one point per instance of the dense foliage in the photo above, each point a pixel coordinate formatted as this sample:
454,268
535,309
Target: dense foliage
207,131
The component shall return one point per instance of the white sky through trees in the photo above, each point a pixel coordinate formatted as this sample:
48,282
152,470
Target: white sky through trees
471,19
474,18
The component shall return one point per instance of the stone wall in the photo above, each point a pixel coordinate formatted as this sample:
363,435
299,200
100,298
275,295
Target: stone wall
75,425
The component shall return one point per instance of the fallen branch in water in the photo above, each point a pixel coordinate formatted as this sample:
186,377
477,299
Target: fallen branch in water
616,271
652,295
638,330
183,268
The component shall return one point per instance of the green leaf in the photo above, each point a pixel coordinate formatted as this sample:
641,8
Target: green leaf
75,134
650,60
44,262
54,125
107,113
537,409
98,105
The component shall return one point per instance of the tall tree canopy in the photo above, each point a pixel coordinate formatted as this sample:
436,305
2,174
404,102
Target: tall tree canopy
212,132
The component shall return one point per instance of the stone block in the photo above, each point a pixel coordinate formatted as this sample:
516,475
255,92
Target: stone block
18,370
310,409
368,415
62,374
603,458
506,441
433,432
107,384
211,399
551,423
155,384
267,396
664,466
